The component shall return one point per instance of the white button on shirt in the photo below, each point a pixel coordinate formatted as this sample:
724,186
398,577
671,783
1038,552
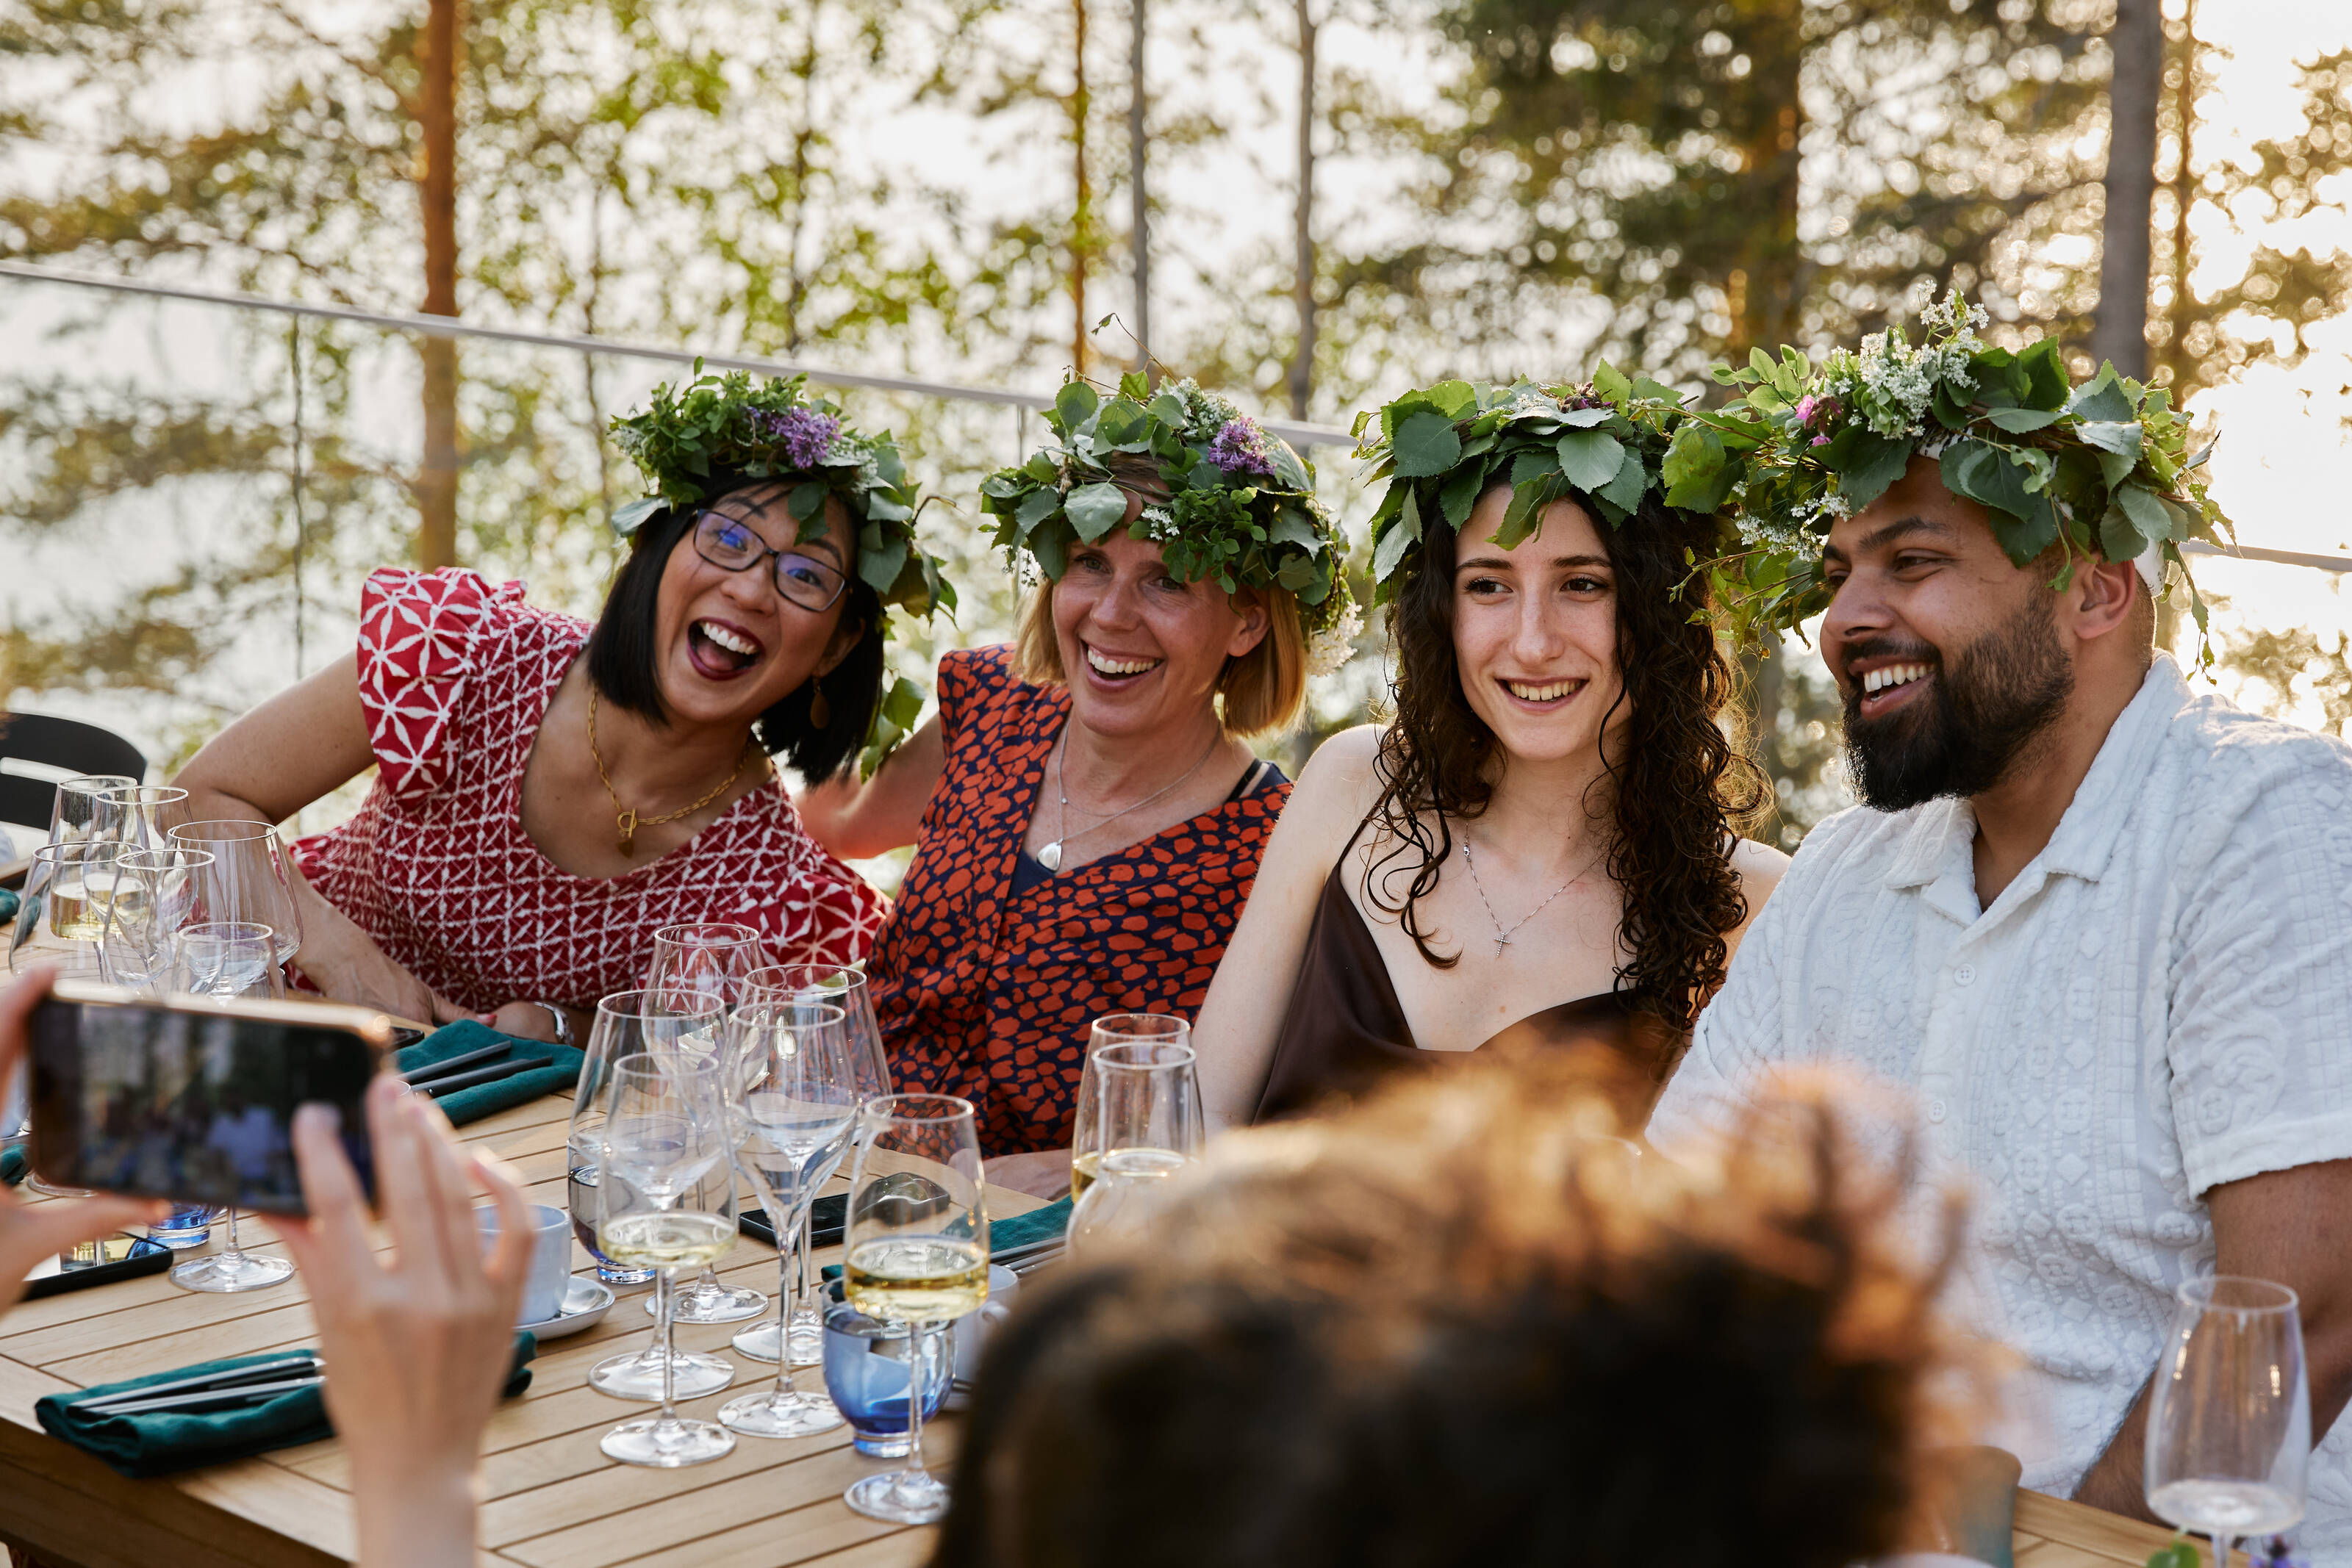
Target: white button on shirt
2165,1005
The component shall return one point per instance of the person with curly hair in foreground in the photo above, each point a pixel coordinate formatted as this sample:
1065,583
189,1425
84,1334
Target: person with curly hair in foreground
1465,1323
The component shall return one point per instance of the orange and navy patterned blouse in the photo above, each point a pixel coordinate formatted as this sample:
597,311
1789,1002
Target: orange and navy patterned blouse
988,991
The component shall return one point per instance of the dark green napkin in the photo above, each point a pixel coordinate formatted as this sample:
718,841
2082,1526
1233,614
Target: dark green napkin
1021,1229
160,1444
12,1165
7,904
490,1099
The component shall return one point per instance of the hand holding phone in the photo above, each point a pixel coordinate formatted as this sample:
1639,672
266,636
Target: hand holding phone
31,1234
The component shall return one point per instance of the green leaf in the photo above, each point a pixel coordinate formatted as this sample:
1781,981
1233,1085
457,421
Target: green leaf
878,562
1586,418
2045,375
1761,363
1877,460
2118,535
1095,509
2120,437
1168,409
1591,458
628,517
1455,400
1290,472
1461,494
2018,421
1035,508
2147,513
2179,1554
1991,476
2104,400
1075,403
879,506
1002,485
1390,551
1609,381
1524,516
1694,462
1123,425
1051,547
1426,445
1533,465
1291,527
1624,491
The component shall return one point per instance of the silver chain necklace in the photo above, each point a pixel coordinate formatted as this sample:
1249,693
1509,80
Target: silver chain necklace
1502,936
1050,857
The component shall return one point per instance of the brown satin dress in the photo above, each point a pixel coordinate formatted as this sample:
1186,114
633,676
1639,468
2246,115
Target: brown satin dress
1345,1032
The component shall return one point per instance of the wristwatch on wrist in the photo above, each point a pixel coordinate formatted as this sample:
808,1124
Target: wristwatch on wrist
563,1021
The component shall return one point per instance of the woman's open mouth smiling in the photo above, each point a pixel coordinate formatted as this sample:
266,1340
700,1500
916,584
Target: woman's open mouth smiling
1540,693
1115,668
720,650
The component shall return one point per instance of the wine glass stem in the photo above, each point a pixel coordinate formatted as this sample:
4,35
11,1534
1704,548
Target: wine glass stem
664,1334
918,1363
795,1245
808,1264
2221,1550
234,1251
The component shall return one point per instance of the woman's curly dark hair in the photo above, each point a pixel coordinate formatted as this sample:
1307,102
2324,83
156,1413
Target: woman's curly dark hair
1681,789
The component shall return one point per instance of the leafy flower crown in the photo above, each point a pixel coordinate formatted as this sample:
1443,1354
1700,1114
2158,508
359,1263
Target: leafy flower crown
774,429
2103,470
1241,509
1614,439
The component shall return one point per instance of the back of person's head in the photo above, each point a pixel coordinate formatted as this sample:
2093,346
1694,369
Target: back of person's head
1460,1326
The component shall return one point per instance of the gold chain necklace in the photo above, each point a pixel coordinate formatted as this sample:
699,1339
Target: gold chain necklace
627,820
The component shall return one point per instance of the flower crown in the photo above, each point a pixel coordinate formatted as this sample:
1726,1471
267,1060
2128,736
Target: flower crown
2103,470
1614,439
775,430
1240,512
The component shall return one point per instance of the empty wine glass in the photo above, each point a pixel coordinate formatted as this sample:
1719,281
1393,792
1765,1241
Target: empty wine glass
138,816
1085,1125
797,1330
1147,1129
917,1254
664,1132
2229,1419
630,1023
154,900
791,1089
709,958
250,878
225,960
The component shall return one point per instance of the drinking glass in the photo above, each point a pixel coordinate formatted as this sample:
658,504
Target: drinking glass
1086,1127
708,958
1147,1129
72,813
155,899
250,878
234,959
664,1132
138,816
792,1091
798,1330
630,1023
2229,1418
917,1254
77,879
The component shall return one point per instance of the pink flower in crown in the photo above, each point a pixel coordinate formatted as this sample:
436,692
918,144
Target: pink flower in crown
1241,448
806,435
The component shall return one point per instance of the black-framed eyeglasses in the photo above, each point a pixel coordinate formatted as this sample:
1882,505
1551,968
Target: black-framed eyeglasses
734,544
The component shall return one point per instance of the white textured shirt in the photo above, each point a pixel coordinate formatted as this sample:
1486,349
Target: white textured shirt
2160,1002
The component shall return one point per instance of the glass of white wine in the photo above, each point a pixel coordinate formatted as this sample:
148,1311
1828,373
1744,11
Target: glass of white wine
1086,1127
797,1330
2229,1419
917,1254
665,1130
1147,1129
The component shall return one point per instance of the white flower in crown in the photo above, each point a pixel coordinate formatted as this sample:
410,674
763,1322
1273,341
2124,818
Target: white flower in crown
1159,523
1332,646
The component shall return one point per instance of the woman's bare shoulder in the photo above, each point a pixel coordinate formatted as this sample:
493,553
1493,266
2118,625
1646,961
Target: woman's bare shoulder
1344,766
1761,868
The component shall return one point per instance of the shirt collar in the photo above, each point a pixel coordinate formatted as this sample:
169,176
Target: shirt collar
1942,836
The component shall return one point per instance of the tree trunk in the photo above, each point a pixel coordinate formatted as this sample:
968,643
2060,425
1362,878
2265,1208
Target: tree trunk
2119,331
1082,205
1302,362
1140,220
437,481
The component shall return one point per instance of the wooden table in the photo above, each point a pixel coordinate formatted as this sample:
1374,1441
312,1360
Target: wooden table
552,1499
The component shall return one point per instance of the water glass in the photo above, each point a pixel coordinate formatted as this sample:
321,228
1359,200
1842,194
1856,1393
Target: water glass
226,959
709,958
155,899
249,879
868,1365
2229,1421
1146,1129
1086,1125
138,816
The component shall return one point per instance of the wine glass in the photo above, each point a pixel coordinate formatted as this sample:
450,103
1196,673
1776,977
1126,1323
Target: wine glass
629,1023
1147,1129
224,959
792,1091
798,1330
1086,1127
2229,1419
708,958
917,1254
73,815
138,816
665,1130
249,879
155,899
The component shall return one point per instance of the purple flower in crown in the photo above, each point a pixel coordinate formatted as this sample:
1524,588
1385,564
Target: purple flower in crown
1241,448
807,435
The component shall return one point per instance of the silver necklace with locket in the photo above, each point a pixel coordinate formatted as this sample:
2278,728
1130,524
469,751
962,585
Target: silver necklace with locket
1050,856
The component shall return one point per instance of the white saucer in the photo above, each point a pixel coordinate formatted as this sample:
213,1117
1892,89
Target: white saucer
586,1302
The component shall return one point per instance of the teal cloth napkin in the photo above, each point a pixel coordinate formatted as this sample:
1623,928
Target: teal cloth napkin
490,1099
160,1444
12,1165
1021,1229
7,904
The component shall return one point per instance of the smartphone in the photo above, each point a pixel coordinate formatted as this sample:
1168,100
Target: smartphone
190,1098
109,1257
829,1217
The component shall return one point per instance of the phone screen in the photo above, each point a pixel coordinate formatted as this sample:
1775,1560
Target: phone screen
194,1103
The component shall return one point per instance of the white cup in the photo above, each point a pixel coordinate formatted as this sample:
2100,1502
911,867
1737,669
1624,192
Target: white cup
969,1335
550,1258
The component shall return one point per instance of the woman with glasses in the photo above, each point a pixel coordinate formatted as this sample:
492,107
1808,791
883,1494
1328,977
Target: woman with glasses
548,791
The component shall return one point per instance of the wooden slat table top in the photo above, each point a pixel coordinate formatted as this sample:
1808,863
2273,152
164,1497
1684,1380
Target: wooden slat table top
552,1500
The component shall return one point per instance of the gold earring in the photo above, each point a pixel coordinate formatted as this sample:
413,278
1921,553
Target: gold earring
820,710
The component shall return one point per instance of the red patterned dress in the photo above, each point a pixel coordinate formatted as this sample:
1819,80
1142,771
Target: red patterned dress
986,982
455,677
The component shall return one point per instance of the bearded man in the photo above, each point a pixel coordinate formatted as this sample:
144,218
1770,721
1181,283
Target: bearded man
2099,924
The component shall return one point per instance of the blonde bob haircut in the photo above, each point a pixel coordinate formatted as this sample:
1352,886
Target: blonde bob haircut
1261,693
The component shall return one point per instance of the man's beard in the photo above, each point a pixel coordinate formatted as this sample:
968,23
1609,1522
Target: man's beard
1981,711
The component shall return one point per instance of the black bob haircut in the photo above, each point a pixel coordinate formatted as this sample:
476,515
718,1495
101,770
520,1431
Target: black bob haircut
620,651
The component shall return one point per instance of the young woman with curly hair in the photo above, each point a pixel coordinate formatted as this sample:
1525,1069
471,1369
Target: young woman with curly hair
1543,844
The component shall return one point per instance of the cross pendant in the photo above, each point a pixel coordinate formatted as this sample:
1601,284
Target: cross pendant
1501,942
